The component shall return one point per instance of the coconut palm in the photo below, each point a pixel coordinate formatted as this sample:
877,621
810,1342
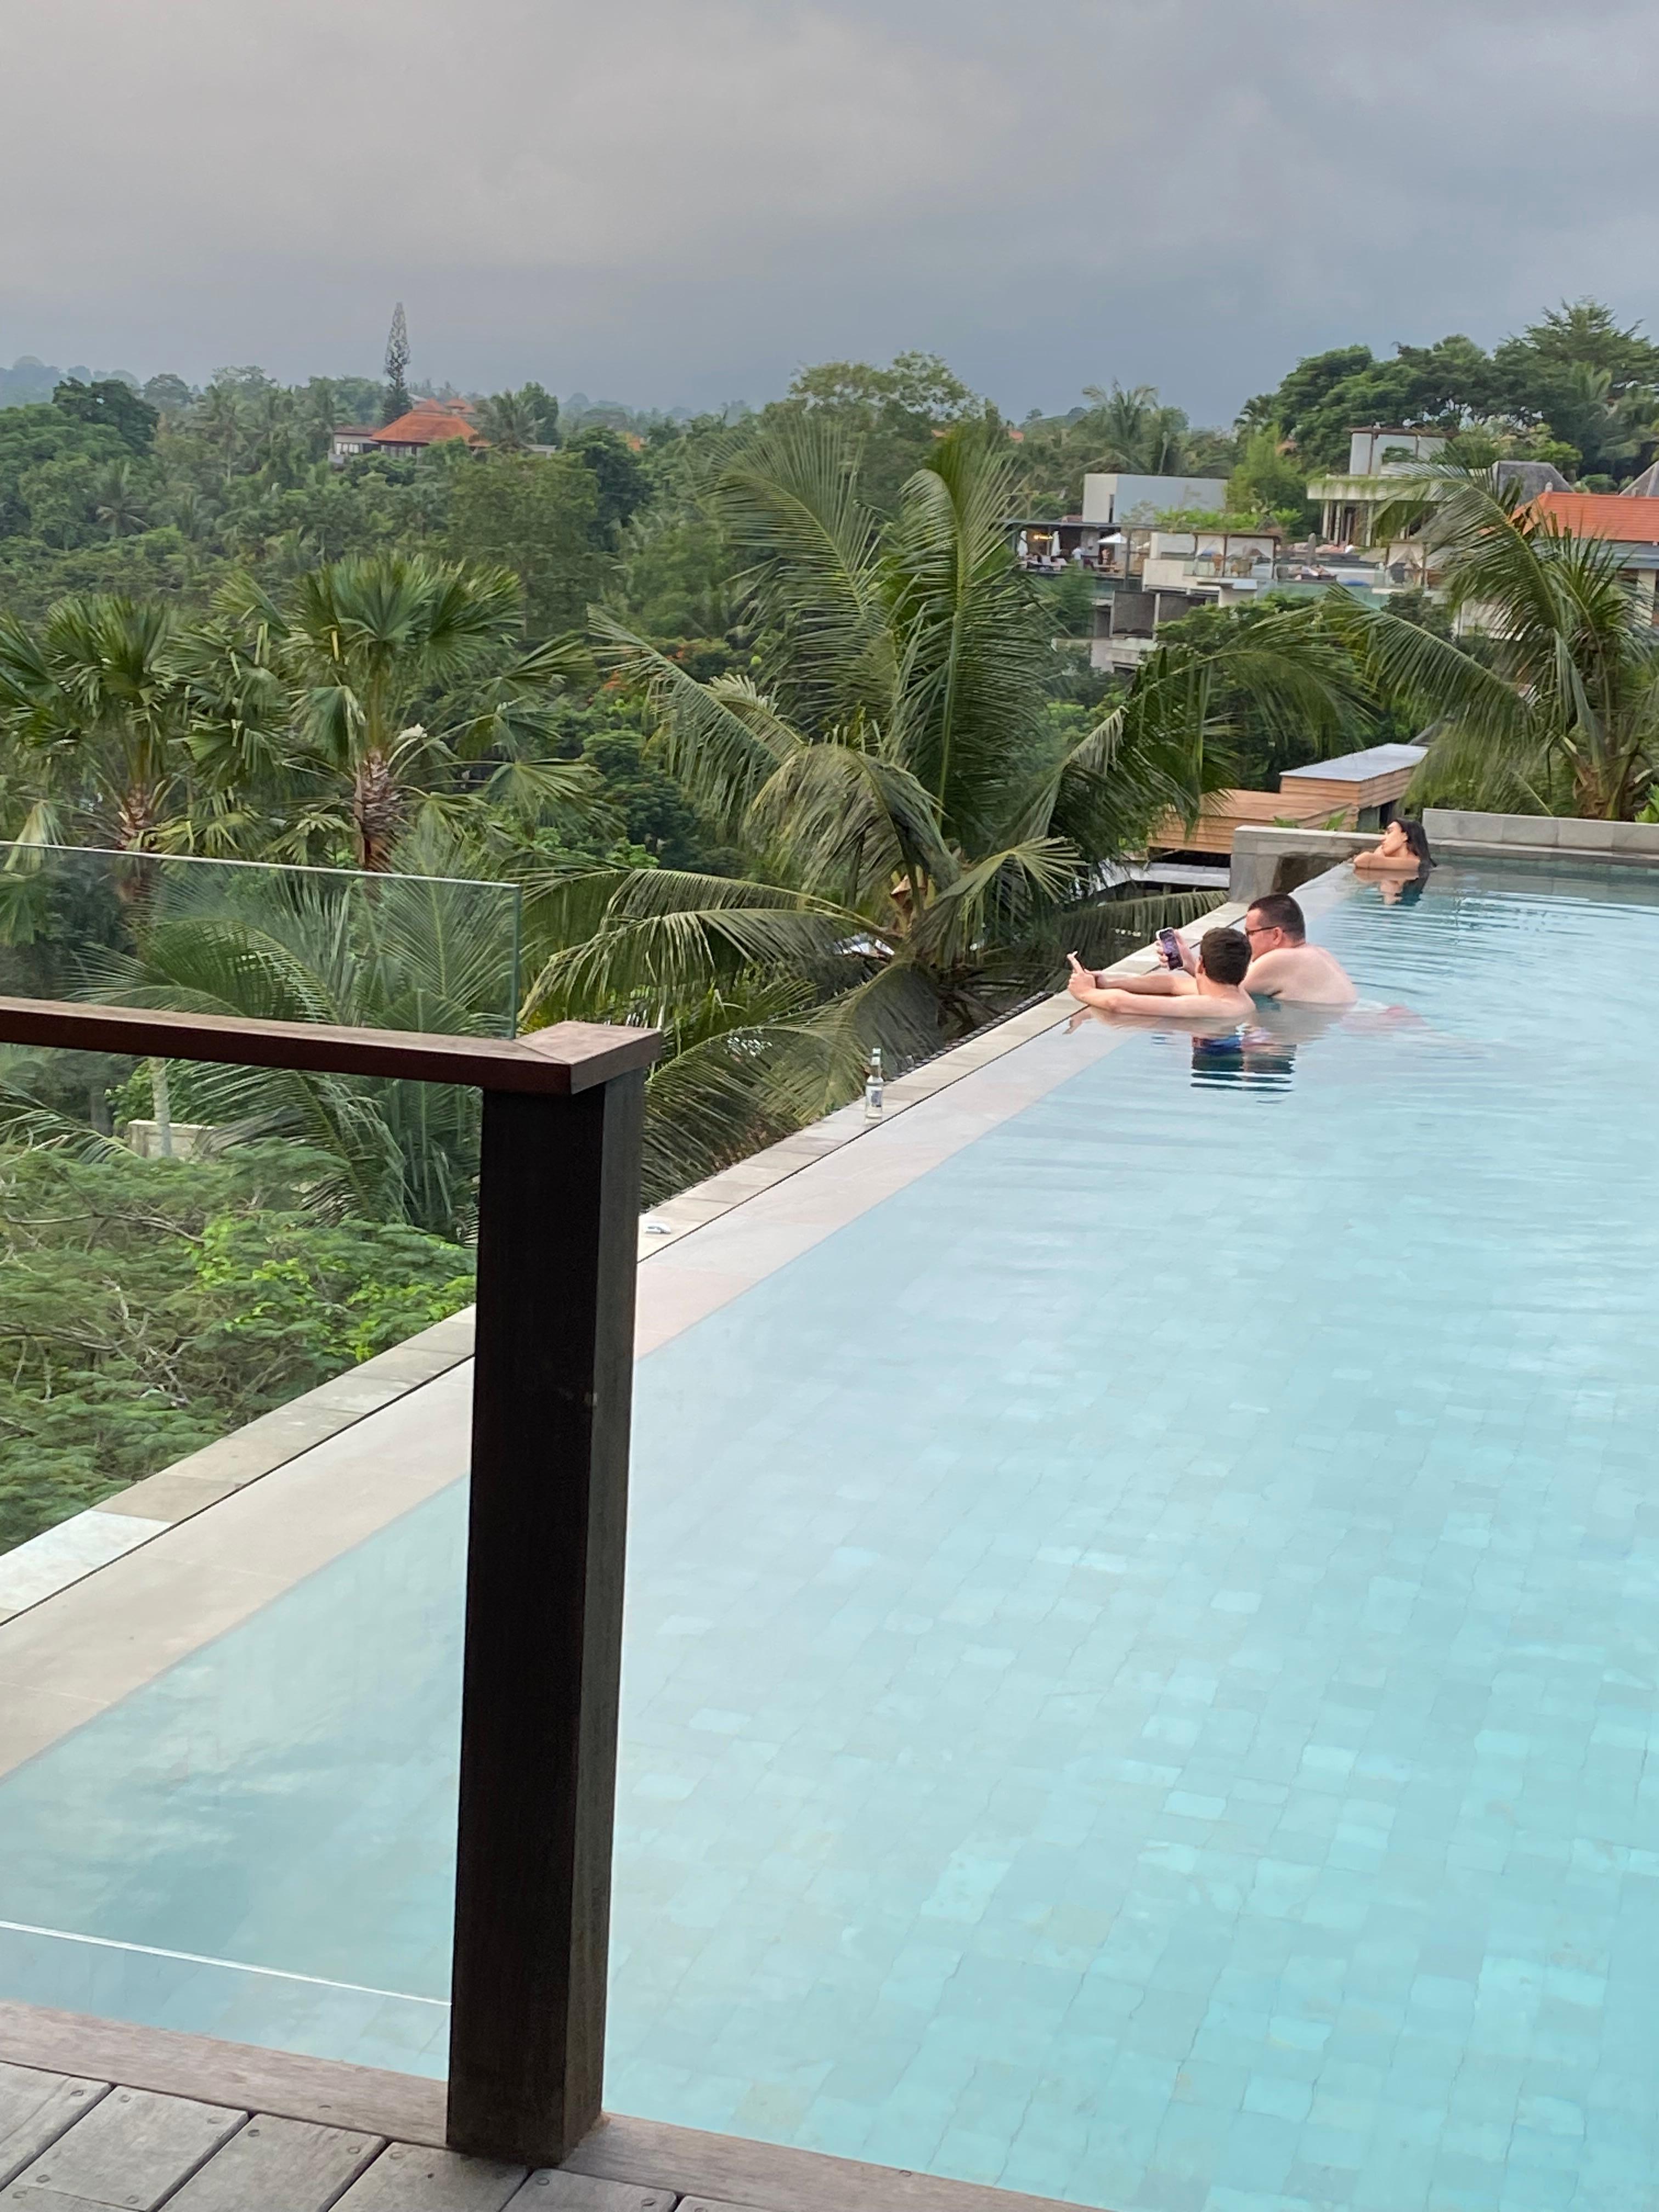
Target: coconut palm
1135,431
348,660
1549,701
924,843
118,500
510,422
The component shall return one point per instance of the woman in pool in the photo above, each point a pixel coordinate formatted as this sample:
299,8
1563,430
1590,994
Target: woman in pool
1403,851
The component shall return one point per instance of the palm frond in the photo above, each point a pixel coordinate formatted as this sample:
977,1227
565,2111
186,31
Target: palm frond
722,740
787,500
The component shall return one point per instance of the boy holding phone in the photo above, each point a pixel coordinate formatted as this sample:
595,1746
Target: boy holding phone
1212,992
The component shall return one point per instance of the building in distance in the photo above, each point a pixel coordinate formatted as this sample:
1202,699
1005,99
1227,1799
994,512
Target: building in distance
429,422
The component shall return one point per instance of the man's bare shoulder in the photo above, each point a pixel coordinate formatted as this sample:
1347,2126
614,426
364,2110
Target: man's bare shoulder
1306,972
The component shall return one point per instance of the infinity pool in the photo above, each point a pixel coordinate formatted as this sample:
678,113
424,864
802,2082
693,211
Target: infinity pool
1142,1651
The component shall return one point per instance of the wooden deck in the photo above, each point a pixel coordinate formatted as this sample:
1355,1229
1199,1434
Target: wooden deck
1227,810
99,2117
1328,795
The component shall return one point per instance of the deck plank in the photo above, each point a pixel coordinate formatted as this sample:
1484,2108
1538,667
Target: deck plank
406,2177
35,2109
292,2163
132,2149
556,2190
365,2100
713,2204
735,2170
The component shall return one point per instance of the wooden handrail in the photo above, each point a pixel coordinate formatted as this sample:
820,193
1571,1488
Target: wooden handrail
560,1060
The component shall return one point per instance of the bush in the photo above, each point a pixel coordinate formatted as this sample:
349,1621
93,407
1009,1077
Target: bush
149,1306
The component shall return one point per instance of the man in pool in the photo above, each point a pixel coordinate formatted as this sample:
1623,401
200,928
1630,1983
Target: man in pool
1283,966
1211,992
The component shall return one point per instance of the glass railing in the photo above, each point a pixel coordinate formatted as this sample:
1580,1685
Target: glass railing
247,938
187,1248
234,1654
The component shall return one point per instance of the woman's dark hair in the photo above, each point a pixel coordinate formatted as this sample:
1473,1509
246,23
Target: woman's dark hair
1417,839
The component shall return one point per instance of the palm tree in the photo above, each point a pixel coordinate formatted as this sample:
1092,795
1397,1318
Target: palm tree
117,501
1550,701
924,843
1135,432
509,422
419,950
349,658
220,416
100,723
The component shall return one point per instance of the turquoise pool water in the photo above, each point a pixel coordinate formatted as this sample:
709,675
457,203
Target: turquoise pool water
1142,1653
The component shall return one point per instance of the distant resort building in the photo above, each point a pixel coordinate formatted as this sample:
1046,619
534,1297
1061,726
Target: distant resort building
1627,519
427,422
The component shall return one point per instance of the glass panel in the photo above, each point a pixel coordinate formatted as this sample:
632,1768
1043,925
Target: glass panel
238,936
234,1409
229,1693
297,1225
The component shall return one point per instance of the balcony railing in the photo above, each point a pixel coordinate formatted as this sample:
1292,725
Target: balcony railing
557,1208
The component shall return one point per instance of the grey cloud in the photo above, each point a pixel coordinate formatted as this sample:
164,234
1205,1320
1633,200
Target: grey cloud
684,201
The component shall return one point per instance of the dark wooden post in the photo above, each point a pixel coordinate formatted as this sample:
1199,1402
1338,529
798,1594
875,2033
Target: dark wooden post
552,1379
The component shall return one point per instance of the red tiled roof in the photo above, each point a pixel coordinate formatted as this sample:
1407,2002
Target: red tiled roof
425,426
1600,514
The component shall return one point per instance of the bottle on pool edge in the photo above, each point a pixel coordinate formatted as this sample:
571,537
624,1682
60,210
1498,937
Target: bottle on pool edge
874,1087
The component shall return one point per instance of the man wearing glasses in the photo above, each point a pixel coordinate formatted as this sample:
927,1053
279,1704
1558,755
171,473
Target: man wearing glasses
1283,965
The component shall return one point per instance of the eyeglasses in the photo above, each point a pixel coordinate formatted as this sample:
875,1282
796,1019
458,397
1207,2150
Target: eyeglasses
1262,929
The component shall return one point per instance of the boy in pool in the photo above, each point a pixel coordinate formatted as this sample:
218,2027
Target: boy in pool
1212,992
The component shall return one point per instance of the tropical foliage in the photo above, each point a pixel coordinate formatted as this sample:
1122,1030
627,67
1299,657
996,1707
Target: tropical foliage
922,840
744,725
148,1308
1551,702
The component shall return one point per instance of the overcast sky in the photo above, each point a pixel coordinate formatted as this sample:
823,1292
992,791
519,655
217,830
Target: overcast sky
682,201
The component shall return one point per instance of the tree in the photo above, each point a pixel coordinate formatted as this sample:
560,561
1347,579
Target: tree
119,499
350,653
620,481
117,403
397,367
513,421
95,707
1271,481
508,423
890,416
1553,705
1582,334
152,1307
167,394
1132,430
538,516
420,949
923,842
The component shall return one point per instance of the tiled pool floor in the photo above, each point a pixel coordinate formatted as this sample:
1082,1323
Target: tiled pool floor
1141,1658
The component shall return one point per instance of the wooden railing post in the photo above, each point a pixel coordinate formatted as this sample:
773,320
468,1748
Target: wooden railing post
552,1376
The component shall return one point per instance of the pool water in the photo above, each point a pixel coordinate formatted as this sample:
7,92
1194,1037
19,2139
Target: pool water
1142,1647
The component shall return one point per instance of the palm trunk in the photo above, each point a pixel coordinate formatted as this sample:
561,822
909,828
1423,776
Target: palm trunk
376,812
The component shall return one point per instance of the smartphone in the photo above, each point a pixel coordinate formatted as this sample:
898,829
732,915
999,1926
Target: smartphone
1169,945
